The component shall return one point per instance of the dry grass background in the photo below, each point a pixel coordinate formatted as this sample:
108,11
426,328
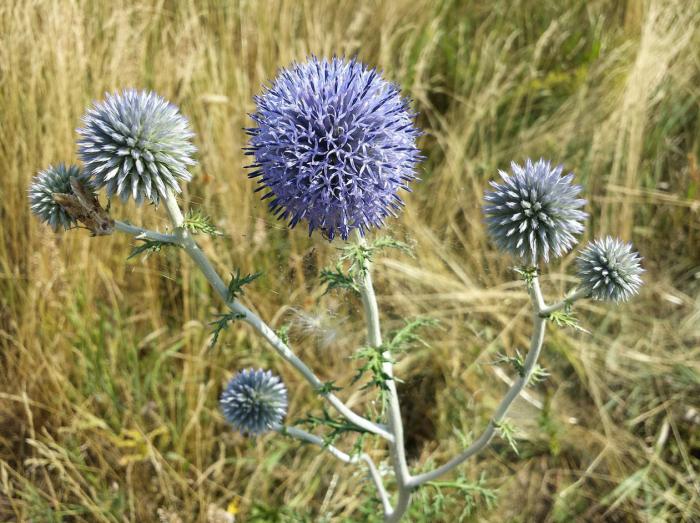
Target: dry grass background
107,386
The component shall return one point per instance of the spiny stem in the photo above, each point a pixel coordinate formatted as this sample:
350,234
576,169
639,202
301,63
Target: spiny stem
183,238
539,324
570,298
145,234
397,449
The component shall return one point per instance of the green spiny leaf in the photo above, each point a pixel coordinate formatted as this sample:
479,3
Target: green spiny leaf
283,333
357,258
358,446
373,365
197,222
528,274
565,318
337,279
221,323
471,494
537,375
235,286
359,255
387,242
507,431
327,388
337,426
408,336
516,361
149,247
375,357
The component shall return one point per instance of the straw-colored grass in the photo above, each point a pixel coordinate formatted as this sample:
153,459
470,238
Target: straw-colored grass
108,388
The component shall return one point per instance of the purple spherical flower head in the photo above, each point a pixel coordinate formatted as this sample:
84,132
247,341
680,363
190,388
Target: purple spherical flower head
334,144
535,212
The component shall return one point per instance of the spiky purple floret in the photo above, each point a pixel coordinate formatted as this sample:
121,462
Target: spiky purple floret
136,144
535,212
334,144
254,401
53,179
609,269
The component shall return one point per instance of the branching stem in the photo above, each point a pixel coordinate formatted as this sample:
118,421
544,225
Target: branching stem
183,238
393,432
144,234
342,456
539,324
570,298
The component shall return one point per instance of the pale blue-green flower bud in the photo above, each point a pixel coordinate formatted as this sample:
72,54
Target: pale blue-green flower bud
136,144
535,212
609,269
254,401
54,179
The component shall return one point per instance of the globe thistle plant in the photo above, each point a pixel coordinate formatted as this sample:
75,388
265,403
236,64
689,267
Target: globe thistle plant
535,212
254,401
54,179
334,144
136,144
609,269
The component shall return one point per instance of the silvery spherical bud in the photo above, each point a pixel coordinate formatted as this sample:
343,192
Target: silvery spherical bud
535,212
54,179
609,269
254,401
136,144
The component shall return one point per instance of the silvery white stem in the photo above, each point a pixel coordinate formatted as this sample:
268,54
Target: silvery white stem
397,449
539,324
570,298
198,256
402,504
373,472
144,234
